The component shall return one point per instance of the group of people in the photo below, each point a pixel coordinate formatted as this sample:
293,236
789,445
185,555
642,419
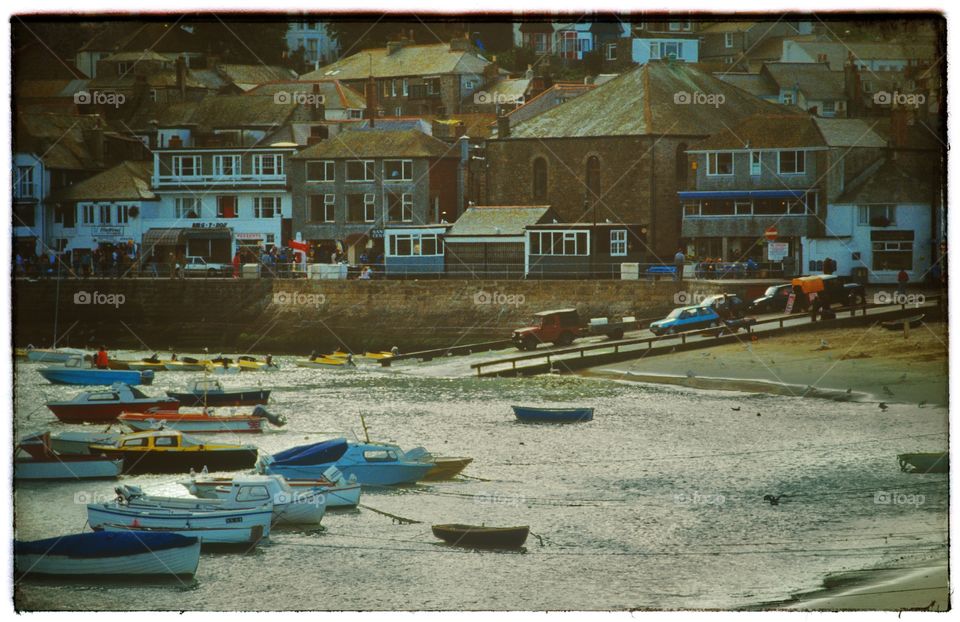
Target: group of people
114,261
715,267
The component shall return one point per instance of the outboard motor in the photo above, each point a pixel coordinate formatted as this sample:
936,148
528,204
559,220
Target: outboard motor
263,413
127,492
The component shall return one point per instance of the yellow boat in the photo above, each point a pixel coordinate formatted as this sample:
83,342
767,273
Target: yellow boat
248,363
145,365
377,355
170,451
187,364
325,362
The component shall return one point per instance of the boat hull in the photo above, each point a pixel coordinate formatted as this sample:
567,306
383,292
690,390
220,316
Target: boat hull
208,536
365,474
216,527
192,423
67,468
174,461
84,412
336,496
95,376
474,536
179,560
446,468
227,398
552,415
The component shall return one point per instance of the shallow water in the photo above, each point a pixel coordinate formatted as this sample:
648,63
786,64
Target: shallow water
657,503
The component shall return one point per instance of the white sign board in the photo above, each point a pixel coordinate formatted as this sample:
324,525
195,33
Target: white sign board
776,251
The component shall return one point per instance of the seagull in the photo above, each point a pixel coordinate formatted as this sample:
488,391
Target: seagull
824,345
883,406
849,390
887,390
772,500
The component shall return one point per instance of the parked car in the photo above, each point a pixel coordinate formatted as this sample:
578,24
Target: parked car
727,306
197,266
562,326
830,290
683,319
774,300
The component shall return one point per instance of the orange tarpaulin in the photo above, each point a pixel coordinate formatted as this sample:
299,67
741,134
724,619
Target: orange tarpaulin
809,284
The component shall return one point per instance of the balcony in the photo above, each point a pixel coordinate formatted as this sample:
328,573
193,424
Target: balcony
246,180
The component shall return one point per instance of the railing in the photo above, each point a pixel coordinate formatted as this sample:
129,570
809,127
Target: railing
224,180
617,345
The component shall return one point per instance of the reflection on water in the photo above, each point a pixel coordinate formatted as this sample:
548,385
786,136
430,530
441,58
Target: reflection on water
657,503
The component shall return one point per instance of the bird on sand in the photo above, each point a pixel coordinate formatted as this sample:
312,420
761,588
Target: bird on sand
883,405
824,345
849,390
772,500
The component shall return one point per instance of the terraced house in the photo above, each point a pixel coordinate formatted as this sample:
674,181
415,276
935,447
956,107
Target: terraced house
347,188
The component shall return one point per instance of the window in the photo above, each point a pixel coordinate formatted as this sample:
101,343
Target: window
321,170
618,243
87,215
416,245
559,243
671,49
406,87
186,166
355,113
791,162
433,86
361,207
399,207
611,51
105,218
165,441
691,209
719,164
266,207
123,214
226,206
226,166
728,40
787,97
267,164
323,208
24,182
539,178
187,207
755,163
360,170
137,442
743,208
877,215
678,26
829,107
252,493
892,250
397,170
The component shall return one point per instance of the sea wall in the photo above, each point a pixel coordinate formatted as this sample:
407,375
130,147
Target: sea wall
295,317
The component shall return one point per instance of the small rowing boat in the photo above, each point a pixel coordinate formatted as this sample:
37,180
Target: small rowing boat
529,414
46,355
96,554
475,536
913,321
933,462
326,362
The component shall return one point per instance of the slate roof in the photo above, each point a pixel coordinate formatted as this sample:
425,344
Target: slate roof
336,94
757,84
785,131
498,220
410,60
815,80
375,143
838,52
890,183
57,139
643,101
127,181
850,133
248,77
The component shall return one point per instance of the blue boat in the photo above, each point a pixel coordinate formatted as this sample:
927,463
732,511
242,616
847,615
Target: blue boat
372,464
109,554
552,415
74,372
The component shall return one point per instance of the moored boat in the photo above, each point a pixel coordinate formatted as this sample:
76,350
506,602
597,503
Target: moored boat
552,415
78,442
204,422
74,372
446,468
170,451
36,459
105,405
210,392
97,554
185,363
479,536
45,355
372,464
249,363
339,491
914,322
326,362
931,462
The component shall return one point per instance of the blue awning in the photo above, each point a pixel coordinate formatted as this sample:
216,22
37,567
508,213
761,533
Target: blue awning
743,194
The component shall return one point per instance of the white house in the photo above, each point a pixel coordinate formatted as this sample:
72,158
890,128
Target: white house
313,38
644,49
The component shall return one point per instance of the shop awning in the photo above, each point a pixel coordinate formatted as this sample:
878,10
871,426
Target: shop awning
163,237
213,233
742,194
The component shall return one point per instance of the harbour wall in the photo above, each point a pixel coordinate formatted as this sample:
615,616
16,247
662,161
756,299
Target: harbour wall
297,316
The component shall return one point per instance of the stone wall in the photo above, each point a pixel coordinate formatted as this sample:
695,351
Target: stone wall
295,317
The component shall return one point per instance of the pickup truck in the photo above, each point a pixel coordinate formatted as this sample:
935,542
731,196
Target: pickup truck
560,327
198,266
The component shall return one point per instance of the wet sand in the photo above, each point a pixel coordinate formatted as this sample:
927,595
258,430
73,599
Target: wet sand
863,364
912,588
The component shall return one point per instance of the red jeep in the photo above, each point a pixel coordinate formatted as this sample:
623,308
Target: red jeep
562,326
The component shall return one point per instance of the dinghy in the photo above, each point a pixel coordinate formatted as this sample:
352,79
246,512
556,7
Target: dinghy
98,554
479,536
914,322
59,355
552,415
446,468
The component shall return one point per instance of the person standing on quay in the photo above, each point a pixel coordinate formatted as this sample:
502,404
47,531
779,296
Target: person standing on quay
678,262
236,265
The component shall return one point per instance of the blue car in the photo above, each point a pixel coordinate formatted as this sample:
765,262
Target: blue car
683,319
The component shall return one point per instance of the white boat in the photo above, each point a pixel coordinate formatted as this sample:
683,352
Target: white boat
76,442
35,459
338,492
208,536
215,524
45,355
109,554
292,507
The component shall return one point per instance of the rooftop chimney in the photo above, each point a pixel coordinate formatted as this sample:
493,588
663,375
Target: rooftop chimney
503,126
370,90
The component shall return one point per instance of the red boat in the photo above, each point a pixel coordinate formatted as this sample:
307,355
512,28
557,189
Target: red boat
105,405
201,422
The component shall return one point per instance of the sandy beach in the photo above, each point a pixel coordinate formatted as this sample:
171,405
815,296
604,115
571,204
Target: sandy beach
909,588
865,364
